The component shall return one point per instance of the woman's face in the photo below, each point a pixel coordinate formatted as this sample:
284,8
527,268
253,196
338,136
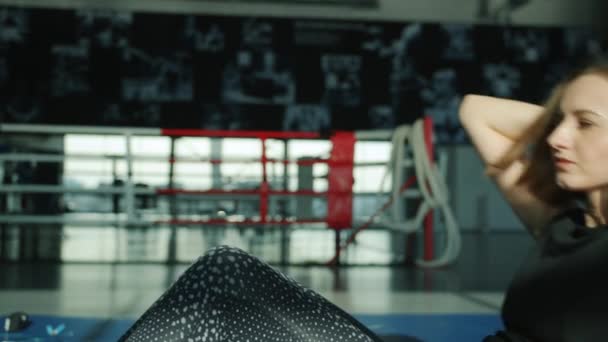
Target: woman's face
579,143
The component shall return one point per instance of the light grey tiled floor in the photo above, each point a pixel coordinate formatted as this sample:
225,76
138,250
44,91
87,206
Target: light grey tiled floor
475,284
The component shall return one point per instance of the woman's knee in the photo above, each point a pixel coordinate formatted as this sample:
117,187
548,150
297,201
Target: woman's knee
223,260
221,255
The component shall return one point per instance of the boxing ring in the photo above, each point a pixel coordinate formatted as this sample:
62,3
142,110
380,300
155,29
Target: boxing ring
415,177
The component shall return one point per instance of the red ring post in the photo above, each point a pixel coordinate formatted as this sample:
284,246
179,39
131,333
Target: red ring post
340,181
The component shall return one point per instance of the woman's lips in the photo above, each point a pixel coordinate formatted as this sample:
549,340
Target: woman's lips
561,162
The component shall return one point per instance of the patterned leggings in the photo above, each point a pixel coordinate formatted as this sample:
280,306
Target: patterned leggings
229,295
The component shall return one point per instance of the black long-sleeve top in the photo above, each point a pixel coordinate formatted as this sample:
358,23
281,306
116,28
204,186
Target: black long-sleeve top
560,293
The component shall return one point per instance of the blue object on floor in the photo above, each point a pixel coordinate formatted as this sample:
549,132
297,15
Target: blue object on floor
428,328
435,328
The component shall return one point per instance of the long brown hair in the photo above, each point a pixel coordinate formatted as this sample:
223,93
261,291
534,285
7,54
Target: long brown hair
540,174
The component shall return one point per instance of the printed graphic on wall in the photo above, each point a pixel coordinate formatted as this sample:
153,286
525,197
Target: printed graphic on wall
154,78
307,118
121,68
257,77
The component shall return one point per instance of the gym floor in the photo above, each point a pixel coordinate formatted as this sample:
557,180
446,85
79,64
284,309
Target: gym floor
475,284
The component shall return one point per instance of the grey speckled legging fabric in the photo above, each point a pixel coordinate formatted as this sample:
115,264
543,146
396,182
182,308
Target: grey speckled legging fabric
229,295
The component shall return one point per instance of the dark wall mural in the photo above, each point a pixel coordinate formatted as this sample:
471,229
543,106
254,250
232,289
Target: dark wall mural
94,67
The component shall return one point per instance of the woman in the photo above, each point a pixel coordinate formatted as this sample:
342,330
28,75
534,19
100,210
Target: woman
551,165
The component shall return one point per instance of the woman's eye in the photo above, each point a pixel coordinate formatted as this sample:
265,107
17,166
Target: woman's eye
584,123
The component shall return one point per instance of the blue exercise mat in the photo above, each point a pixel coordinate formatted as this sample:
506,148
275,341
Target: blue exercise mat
427,328
435,328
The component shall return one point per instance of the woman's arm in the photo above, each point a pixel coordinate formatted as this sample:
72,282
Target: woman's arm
494,126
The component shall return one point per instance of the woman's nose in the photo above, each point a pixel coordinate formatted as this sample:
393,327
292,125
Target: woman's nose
559,138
